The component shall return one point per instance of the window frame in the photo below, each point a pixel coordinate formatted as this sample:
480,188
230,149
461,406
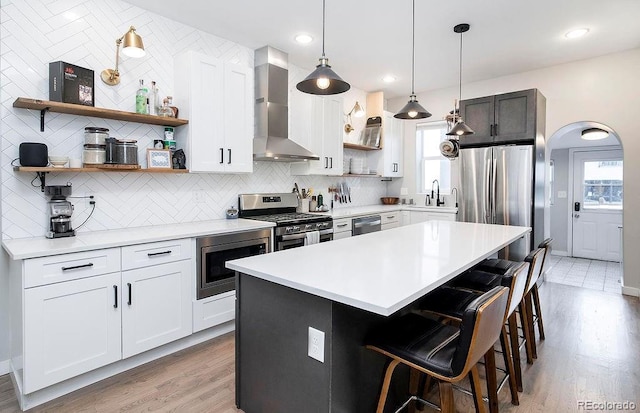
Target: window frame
425,187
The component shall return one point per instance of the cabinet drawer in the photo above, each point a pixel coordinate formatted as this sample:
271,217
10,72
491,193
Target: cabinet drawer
390,217
341,225
154,253
214,310
66,267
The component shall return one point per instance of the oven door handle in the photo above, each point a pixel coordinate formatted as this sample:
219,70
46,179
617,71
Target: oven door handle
301,235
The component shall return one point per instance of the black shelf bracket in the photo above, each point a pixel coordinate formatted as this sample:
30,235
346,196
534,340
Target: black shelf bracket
386,180
42,112
42,176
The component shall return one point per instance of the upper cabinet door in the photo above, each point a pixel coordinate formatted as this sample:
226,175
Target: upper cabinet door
478,115
218,98
332,136
515,117
238,118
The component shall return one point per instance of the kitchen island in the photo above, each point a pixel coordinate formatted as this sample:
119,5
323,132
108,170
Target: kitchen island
341,289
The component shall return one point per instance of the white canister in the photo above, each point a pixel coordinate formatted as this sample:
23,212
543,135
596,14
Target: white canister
93,156
304,205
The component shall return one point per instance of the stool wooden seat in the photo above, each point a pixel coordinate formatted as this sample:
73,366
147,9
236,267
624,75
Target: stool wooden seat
443,352
450,302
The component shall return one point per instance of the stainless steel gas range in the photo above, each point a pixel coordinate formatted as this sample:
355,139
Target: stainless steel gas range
293,229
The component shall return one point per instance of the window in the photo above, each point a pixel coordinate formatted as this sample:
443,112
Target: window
602,184
430,162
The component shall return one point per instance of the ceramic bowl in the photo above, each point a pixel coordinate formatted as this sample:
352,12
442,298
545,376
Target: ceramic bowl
58,161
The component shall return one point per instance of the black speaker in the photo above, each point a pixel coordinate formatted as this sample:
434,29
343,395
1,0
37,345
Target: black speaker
33,154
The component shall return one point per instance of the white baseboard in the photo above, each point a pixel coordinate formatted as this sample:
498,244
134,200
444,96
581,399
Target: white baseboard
633,292
5,367
560,253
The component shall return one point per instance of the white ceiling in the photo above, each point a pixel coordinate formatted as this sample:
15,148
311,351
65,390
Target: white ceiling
367,39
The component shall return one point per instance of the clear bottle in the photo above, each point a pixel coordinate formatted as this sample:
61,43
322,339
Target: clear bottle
141,99
165,110
175,109
154,99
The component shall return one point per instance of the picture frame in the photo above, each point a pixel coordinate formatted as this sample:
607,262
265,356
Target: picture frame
159,159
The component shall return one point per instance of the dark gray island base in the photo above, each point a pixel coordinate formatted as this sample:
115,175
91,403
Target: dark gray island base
274,374
343,288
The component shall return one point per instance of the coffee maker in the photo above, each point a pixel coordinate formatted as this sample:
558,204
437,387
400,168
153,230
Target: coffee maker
60,211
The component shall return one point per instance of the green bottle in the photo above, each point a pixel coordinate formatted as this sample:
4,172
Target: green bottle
141,99
320,200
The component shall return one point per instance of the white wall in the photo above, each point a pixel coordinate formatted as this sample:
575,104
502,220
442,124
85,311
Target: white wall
559,210
602,90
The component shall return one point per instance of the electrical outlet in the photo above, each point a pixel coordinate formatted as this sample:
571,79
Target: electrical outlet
316,344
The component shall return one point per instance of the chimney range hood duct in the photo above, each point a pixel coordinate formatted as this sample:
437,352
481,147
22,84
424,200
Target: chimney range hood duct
271,141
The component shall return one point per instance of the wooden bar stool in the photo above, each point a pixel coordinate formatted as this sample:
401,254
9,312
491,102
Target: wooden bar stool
448,302
443,352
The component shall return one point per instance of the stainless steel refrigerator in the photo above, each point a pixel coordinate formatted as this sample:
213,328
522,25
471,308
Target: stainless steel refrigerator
504,185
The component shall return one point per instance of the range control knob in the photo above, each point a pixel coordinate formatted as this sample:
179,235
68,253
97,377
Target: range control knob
308,227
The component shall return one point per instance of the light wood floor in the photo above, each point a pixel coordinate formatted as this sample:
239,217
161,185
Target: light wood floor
592,352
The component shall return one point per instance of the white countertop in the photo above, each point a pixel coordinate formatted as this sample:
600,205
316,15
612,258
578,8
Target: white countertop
24,248
383,272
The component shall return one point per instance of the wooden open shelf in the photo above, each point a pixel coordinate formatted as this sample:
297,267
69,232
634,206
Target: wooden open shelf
69,108
348,145
97,169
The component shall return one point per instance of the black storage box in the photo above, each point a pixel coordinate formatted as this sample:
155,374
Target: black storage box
71,84
33,154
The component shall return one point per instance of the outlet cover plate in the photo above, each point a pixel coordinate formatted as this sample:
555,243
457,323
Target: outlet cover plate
316,344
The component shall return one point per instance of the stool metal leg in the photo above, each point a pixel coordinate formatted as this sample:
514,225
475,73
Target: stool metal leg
385,385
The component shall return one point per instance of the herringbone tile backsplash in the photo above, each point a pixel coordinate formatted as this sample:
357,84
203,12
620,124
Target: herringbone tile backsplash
83,32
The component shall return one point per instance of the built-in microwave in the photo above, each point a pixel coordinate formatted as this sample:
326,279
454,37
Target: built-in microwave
214,251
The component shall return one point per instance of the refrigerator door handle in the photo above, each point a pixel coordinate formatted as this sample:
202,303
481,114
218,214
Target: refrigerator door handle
487,200
494,189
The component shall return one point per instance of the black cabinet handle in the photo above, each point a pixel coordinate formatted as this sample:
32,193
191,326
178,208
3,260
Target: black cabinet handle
77,267
129,287
331,160
221,155
491,130
229,161
155,254
115,294
326,162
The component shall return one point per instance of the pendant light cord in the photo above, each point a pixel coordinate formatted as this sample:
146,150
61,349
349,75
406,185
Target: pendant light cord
413,48
460,90
323,18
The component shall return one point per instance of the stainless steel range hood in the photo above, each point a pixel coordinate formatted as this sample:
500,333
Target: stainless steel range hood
271,140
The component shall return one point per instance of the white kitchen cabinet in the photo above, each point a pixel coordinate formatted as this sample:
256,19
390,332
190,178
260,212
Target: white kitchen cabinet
422,216
390,220
389,161
156,306
217,98
316,124
214,310
341,228
70,328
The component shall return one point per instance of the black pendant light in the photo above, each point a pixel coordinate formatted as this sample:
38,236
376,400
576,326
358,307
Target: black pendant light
323,80
460,128
413,110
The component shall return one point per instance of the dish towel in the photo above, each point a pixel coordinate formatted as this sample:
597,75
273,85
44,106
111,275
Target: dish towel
311,237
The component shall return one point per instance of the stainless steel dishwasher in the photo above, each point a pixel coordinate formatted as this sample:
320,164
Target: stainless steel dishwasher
364,225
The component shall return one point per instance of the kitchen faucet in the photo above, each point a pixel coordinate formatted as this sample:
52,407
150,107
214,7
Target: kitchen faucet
437,196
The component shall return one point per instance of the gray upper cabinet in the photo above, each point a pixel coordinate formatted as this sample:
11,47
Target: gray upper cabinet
506,118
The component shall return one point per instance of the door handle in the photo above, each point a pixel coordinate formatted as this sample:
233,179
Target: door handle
129,287
576,215
115,296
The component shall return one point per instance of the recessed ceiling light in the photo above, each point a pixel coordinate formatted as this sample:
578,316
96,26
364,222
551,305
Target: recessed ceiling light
576,33
389,79
304,38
